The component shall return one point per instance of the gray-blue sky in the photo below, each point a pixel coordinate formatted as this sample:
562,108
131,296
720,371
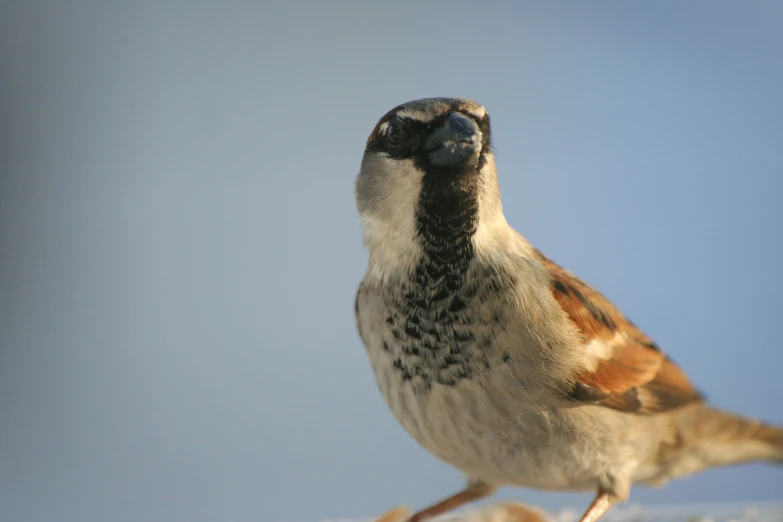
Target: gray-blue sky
180,247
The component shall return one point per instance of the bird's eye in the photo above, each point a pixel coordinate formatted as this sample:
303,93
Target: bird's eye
395,135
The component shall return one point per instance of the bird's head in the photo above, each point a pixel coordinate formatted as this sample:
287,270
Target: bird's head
427,178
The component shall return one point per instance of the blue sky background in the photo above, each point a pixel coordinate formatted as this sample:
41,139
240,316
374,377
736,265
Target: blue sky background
180,248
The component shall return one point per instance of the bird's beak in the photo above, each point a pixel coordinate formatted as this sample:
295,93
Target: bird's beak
457,142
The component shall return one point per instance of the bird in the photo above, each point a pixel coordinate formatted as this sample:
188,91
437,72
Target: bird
496,359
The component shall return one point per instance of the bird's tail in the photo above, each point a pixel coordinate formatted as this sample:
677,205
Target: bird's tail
706,437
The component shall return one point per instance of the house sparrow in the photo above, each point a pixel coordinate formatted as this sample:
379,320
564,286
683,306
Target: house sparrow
496,359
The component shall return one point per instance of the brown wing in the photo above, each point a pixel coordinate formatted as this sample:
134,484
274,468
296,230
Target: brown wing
630,372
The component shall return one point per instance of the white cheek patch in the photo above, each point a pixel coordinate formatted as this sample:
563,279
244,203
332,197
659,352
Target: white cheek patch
491,235
390,227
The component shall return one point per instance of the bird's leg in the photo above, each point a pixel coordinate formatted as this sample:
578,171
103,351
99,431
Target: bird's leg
476,490
601,504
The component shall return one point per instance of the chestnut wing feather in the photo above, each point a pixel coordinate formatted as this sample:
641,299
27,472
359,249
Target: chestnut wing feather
630,372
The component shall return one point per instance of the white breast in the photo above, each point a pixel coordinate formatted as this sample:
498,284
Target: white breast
500,425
